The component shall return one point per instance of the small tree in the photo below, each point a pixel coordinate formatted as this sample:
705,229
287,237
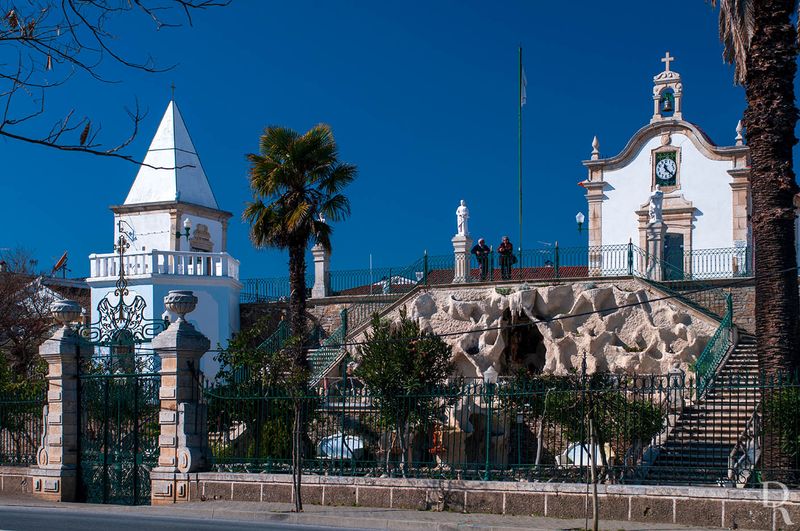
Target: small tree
400,364
271,376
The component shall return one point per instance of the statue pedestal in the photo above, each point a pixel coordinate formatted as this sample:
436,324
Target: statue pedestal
322,275
655,232
462,245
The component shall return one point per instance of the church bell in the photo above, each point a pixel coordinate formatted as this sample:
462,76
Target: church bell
667,102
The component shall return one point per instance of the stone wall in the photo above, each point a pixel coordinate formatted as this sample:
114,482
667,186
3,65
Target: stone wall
744,302
324,312
16,481
698,506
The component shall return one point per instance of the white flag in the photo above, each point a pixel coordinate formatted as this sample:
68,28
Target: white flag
523,98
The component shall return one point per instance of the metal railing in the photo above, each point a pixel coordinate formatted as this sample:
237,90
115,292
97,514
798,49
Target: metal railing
21,425
709,361
548,263
329,352
531,430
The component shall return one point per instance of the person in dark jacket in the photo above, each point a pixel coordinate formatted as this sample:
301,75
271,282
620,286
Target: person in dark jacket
481,252
507,258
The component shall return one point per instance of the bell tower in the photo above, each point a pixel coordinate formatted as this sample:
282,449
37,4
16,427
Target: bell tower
667,93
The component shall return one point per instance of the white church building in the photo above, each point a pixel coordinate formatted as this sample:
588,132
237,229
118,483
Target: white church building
706,201
178,239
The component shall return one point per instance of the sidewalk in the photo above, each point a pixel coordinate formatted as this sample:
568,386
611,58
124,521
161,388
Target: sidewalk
342,517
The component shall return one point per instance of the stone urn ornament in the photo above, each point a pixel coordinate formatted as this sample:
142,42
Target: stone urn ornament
65,311
180,302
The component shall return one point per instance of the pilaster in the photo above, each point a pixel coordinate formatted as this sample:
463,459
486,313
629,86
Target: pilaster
183,440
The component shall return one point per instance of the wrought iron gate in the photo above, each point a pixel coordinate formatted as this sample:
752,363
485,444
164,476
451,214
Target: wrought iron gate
118,396
118,429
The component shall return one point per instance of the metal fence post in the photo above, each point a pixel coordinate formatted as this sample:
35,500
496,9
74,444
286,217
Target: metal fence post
630,257
557,259
343,316
491,263
425,267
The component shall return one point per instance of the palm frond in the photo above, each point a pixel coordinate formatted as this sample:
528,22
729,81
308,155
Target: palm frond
736,24
335,207
295,178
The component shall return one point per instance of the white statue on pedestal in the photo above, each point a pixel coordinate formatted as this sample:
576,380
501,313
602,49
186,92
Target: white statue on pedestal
462,215
656,202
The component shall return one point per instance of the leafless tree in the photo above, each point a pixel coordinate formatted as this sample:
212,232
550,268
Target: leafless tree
25,320
46,44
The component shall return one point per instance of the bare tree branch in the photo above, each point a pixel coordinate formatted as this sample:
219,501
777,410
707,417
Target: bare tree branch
52,40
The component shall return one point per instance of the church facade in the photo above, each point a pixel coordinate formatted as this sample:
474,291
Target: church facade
706,202
177,237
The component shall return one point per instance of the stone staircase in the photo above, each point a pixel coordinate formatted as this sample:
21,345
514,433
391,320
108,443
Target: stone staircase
697,449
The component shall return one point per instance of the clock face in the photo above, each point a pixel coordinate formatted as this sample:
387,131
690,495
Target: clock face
666,169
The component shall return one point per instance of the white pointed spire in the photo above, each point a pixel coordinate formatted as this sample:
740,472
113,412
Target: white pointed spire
181,176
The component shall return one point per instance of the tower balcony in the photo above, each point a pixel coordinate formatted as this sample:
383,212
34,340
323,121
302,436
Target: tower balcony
163,263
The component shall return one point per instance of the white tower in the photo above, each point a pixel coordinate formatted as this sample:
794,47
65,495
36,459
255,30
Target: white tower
178,239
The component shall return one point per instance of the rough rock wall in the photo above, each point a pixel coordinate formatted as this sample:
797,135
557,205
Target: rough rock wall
617,325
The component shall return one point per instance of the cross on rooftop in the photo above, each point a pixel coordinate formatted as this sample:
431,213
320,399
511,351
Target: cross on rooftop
667,59
172,86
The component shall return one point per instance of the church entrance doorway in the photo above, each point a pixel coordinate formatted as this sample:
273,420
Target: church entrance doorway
673,256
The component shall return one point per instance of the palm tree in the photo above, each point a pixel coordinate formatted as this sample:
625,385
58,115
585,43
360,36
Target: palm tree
761,40
297,182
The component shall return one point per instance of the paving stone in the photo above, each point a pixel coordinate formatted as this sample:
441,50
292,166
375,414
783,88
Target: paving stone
374,496
523,503
695,511
747,515
340,495
217,491
647,509
488,502
247,492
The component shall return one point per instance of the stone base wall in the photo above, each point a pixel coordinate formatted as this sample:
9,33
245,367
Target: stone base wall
16,481
716,507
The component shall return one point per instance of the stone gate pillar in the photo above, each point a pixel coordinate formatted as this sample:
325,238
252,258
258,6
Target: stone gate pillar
57,458
462,245
183,442
322,274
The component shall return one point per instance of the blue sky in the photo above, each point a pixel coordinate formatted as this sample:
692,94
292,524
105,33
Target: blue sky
422,97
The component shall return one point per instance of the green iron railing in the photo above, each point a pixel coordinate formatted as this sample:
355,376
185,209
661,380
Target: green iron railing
549,263
529,430
671,276
21,425
330,351
709,361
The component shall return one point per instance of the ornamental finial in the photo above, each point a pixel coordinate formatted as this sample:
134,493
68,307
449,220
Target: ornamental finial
739,137
595,148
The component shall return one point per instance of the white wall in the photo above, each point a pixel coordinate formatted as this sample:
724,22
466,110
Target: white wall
703,181
214,228
152,230
216,314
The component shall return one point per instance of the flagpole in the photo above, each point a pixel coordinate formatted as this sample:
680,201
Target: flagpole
519,147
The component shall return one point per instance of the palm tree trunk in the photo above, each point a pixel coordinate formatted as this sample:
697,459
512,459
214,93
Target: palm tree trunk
297,299
770,120
297,311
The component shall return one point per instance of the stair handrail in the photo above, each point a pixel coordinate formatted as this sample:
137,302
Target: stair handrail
329,352
703,297
747,450
717,349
